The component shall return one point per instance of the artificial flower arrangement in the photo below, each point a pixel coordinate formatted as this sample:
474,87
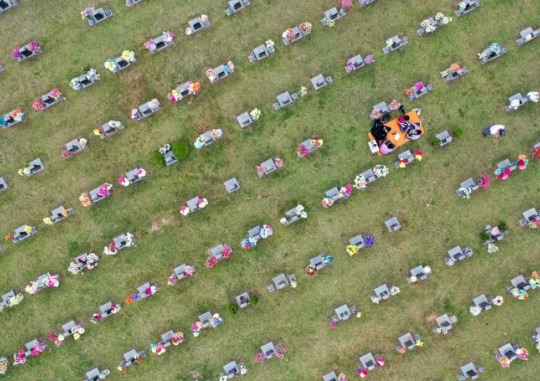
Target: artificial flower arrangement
4,364
503,173
212,76
368,242
305,27
316,141
112,123
17,115
212,261
54,94
33,46
111,248
533,96
346,4
26,171
91,263
215,321
329,23
20,356
418,86
493,48
368,60
303,91
360,182
216,133
327,260
151,44
280,353
189,31
521,162
363,372
344,193
47,282
300,211
521,354
88,13
154,105
255,114
201,203
82,142
103,191
193,88
188,273
177,338
418,155
426,270
115,307
158,348
13,301
269,44
125,182
492,248
92,75
441,330
135,297
127,55
484,182
250,242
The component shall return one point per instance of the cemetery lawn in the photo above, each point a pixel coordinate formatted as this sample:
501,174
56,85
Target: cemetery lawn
422,196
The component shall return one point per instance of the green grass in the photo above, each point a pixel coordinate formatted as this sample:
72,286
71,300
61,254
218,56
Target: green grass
422,195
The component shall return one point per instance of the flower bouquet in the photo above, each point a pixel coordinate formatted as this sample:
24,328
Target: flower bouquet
266,231
360,182
454,68
441,330
498,301
19,357
443,19
56,339
465,192
255,114
259,357
38,349
345,191
535,280
316,141
248,243
484,181
394,290
474,310
329,23
211,262
305,27
377,113
269,44
38,105
216,320
362,372
327,202
177,338
533,96
163,150
380,170
91,263
17,115
88,13
158,349
503,173
428,28
522,354
352,249
346,4
196,328
303,91
4,363
13,301
522,162
85,200
394,105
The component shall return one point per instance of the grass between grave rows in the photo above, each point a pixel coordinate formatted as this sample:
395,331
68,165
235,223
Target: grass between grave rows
422,196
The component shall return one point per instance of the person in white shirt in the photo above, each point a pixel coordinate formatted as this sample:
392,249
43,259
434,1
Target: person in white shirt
495,130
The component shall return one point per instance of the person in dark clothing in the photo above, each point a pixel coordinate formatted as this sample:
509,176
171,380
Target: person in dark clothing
379,131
